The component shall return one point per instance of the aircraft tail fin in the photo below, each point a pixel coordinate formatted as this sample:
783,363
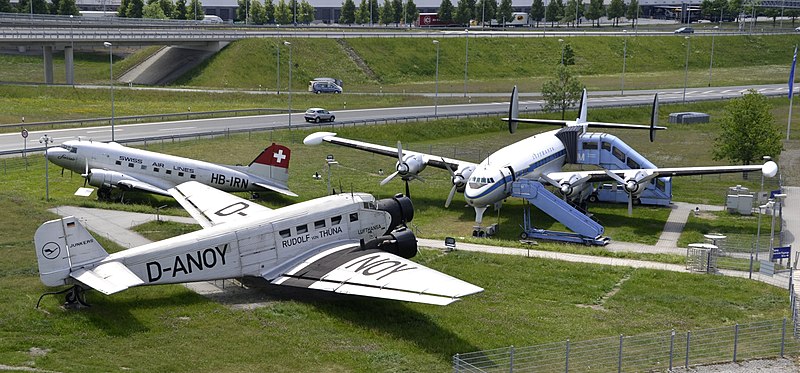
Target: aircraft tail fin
582,113
272,164
62,245
513,111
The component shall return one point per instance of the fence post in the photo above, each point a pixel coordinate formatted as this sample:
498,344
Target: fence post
456,364
511,361
566,361
783,335
688,338
735,340
619,359
671,348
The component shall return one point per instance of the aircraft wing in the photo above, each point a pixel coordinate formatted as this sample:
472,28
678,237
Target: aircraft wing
351,269
141,186
210,206
769,169
430,159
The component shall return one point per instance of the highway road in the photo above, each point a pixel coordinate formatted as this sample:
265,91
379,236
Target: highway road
15,142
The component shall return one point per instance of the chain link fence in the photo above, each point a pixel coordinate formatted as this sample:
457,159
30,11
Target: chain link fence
650,352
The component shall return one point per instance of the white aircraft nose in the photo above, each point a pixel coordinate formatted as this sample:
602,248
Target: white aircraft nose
53,153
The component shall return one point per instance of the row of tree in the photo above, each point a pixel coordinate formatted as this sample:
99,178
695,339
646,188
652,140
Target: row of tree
254,12
161,9
60,7
370,12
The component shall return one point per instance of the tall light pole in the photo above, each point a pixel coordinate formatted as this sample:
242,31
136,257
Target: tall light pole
111,81
46,140
624,57
711,65
561,41
278,68
483,13
288,44
436,97
466,59
686,68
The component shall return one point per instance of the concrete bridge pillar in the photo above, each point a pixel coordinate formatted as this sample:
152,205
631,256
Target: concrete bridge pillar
48,64
69,65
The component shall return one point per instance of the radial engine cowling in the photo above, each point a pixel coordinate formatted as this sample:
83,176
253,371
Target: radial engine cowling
399,208
412,164
105,178
401,242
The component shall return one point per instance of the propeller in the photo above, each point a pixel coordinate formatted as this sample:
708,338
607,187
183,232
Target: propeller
407,167
86,173
455,185
400,166
622,181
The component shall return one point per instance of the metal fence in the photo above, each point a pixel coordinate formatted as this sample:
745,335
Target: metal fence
659,351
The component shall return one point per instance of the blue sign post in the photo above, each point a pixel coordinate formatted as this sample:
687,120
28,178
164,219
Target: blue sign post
781,252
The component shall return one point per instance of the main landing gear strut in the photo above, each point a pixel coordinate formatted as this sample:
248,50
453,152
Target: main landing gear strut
75,297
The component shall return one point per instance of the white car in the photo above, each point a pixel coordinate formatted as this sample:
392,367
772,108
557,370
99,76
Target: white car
317,115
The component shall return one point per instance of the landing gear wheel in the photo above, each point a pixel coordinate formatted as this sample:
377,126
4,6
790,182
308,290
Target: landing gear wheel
75,298
481,234
523,236
637,202
475,233
593,198
104,194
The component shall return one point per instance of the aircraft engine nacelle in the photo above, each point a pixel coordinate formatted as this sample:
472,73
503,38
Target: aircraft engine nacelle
399,208
634,185
572,186
401,242
105,178
460,177
412,164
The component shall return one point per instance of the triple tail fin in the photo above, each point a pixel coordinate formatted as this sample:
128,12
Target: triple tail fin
582,113
62,245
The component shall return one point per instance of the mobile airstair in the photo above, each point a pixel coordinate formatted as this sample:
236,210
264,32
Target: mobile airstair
584,229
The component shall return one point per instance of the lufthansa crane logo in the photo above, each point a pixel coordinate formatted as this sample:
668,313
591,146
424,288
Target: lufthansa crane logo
51,250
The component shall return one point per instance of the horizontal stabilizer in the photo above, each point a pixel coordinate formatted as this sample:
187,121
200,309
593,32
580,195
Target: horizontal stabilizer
276,188
108,278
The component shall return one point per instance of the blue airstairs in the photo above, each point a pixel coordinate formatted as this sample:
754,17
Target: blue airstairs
584,229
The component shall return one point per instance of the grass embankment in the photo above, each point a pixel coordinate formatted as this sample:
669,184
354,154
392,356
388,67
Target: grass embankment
495,64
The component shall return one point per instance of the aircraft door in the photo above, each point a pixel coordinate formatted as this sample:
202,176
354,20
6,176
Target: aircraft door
509,177
257,250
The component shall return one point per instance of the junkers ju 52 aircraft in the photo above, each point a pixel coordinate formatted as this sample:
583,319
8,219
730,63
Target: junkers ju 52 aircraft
345,243
539,158
111,165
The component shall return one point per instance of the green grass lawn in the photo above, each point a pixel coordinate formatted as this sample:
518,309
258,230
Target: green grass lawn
526,301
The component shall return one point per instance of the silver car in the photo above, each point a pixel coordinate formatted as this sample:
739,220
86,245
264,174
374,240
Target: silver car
317,115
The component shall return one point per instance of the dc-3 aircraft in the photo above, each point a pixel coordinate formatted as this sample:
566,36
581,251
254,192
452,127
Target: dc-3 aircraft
539,157
111,165
345,243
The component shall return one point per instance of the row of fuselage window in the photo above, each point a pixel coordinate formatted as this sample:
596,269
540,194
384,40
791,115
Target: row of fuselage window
157,169
318,225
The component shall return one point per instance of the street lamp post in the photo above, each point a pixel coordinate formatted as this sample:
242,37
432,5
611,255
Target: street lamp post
686,67
711,65
111,81
466,59
46,140
278,68
288,44
624,58
436,97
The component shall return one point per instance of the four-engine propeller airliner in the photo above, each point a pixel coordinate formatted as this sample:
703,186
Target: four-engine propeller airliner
539,157
347,243
111,165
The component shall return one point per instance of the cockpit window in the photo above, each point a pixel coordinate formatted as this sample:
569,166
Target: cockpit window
71,149
370,205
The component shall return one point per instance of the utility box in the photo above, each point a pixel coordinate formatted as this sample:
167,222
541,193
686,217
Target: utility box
739,200
689,117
